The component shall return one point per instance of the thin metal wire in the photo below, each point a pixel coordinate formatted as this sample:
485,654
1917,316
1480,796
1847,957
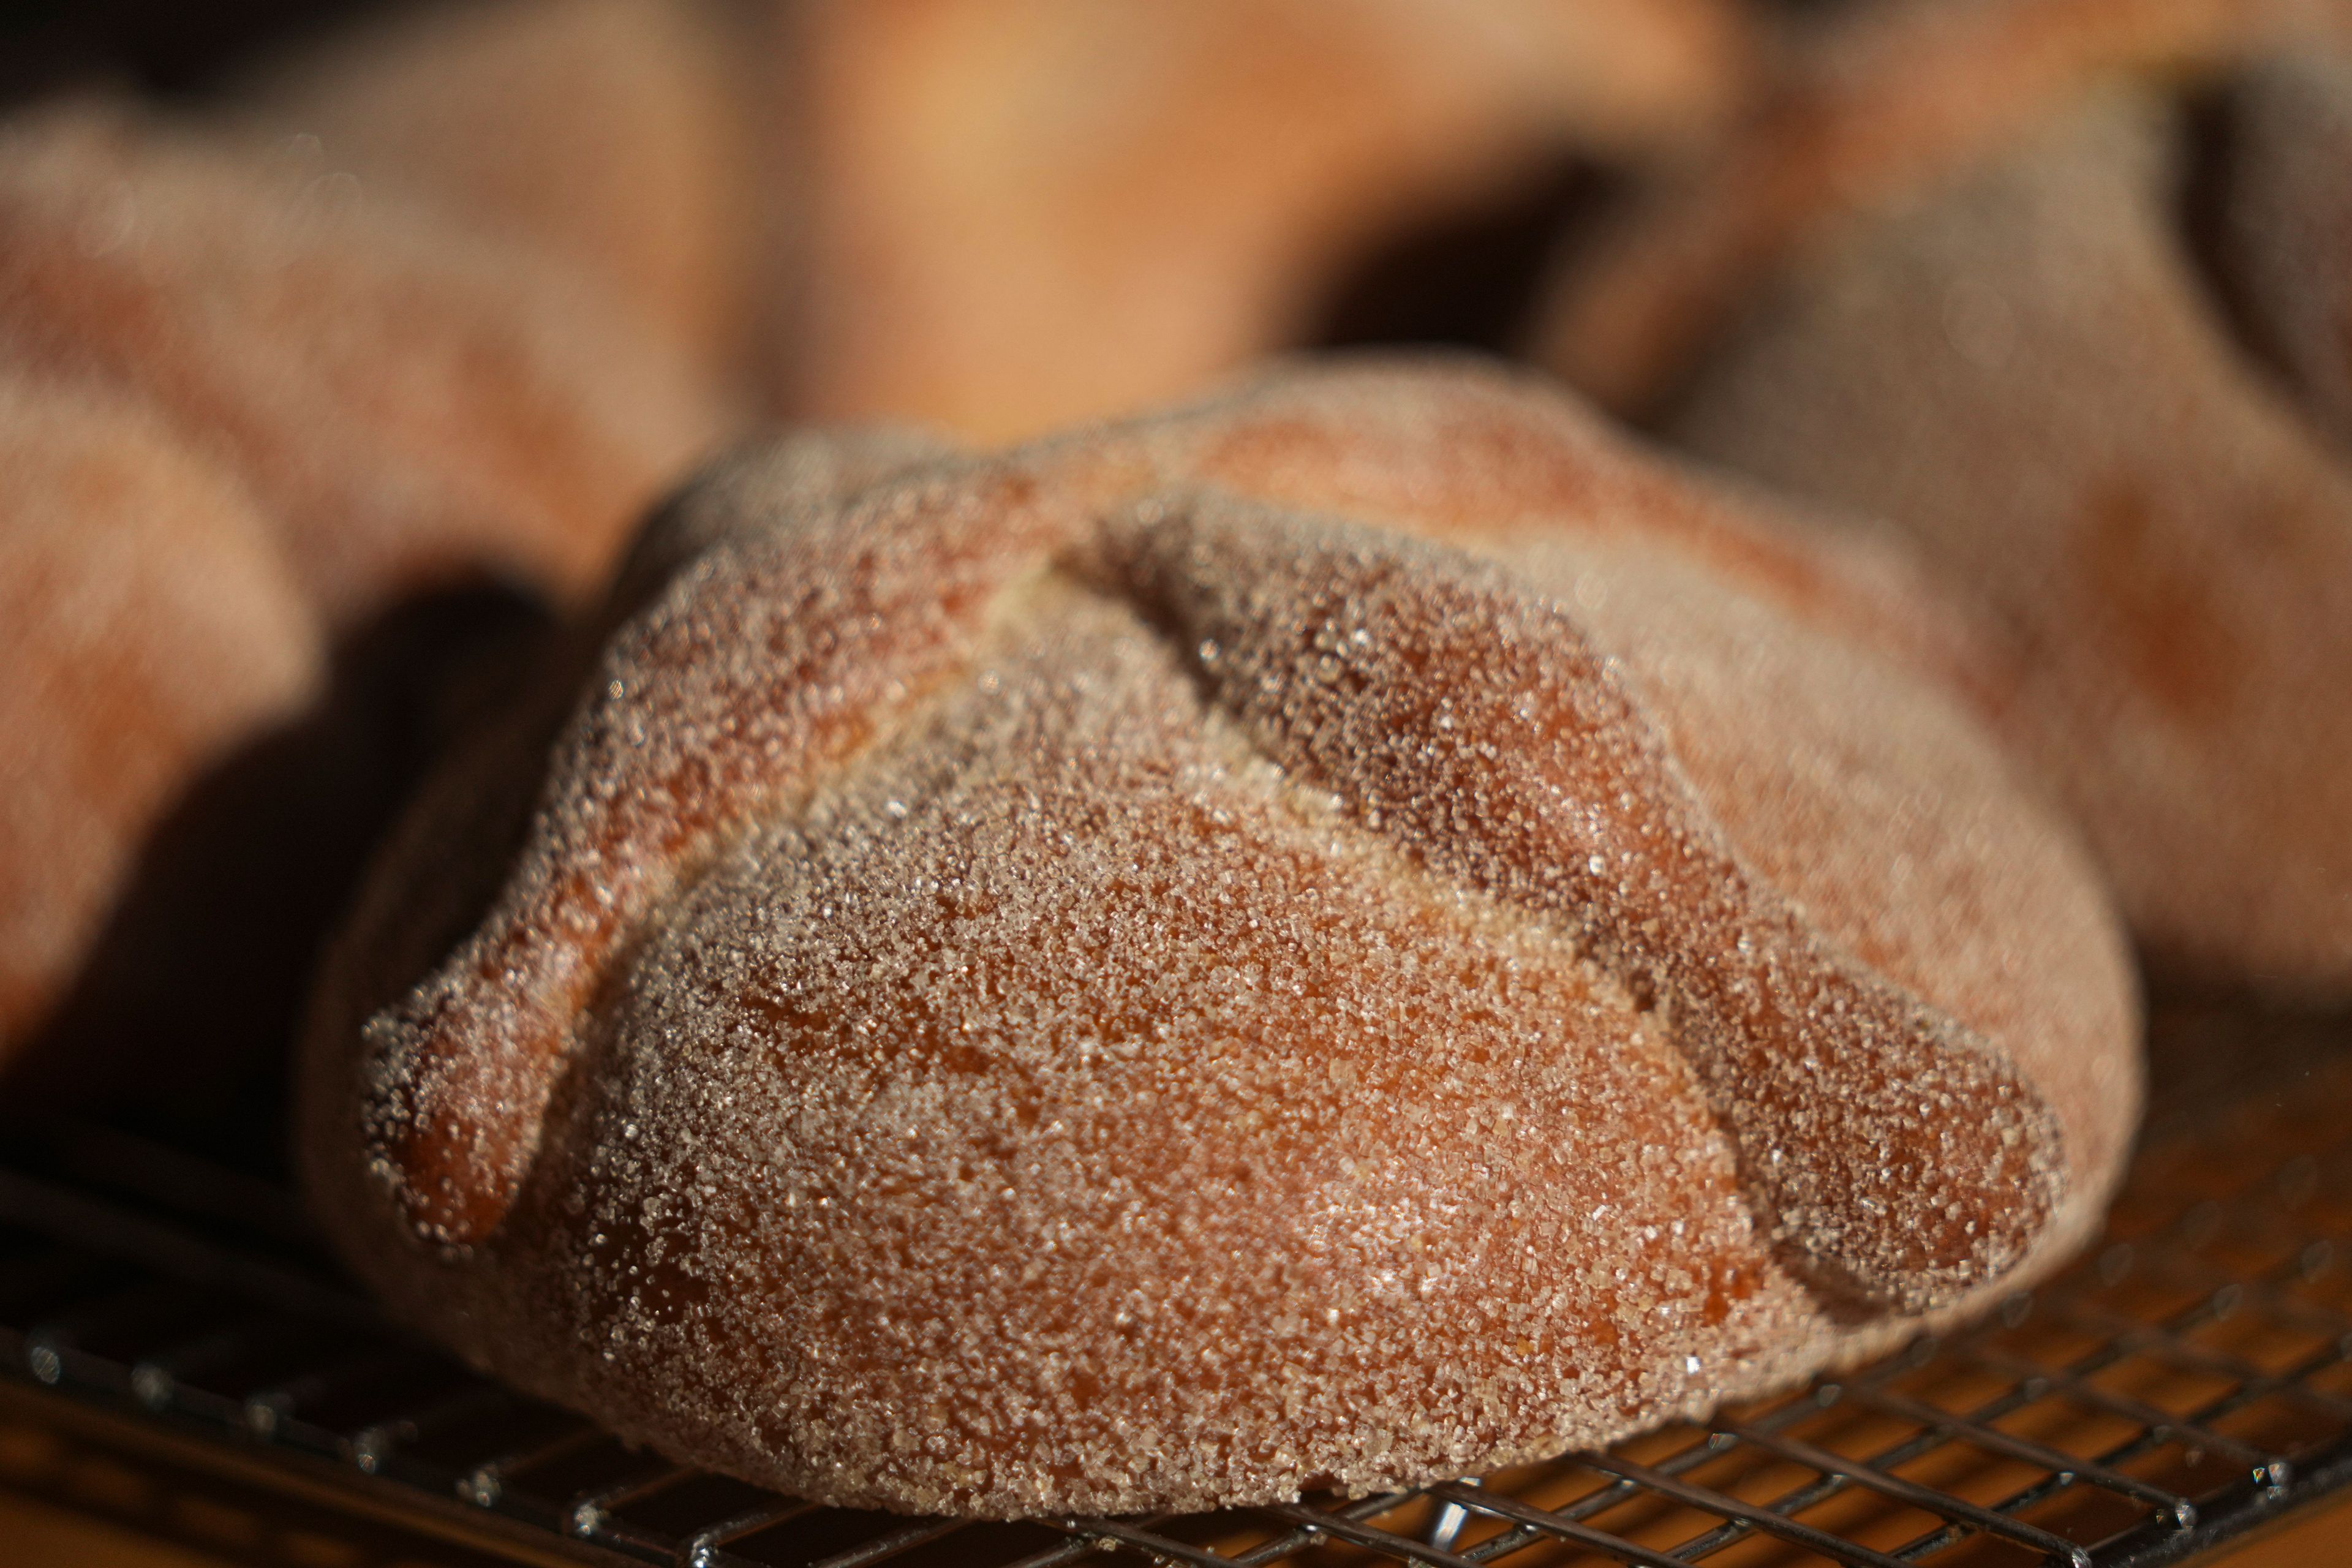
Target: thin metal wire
2269,1469
1707,1500
1959,1510
2009,1445
1339,1527
590,1512
702,1548
131,1314
1544,1521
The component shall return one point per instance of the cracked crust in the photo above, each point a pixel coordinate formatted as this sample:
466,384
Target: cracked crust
1218,955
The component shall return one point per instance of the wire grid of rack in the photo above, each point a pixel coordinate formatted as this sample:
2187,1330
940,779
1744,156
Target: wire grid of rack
2190,1379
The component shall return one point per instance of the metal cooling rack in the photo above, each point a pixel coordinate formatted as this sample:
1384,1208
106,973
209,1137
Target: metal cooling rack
170,1345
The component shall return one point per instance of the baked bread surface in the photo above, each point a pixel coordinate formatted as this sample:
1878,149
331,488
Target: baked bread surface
1358,932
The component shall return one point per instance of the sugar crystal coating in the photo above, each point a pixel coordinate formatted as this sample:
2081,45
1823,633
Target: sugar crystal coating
990,1014
1463,717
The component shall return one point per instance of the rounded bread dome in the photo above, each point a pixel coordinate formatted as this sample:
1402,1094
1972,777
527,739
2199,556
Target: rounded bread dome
1358,931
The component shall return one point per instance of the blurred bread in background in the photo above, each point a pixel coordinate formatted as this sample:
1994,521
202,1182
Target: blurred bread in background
991,215
613,135
2062,331
148,621
1862,111
294,416
1009,217
2280,241
410,402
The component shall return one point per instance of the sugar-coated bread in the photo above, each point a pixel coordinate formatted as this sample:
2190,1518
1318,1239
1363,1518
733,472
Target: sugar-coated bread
408,403
1361,931
148,622
2026,372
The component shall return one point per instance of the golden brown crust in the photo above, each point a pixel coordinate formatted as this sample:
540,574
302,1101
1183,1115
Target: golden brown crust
1122,1028
1454,712
708,719
1492,461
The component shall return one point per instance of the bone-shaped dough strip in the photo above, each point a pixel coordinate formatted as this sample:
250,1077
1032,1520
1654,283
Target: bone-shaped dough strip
771,657
1898,1157
1892,1150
